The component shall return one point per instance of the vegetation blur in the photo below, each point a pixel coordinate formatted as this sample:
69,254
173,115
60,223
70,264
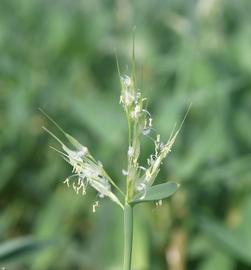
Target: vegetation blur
60,56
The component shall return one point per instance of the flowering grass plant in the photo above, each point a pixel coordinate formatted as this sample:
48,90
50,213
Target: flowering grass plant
88,172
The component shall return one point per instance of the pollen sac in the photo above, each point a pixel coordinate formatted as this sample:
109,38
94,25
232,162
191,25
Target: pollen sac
126,80
128,98
124,172
130,151
146,131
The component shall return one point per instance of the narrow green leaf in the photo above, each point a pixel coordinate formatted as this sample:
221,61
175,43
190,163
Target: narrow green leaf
234,241
19,247
158,192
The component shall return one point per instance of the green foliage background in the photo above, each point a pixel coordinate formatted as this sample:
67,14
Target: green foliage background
59,55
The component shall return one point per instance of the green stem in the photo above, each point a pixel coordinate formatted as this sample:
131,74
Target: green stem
128,235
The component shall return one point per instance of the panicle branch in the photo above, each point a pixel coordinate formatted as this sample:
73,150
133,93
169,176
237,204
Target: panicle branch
140,122
86,171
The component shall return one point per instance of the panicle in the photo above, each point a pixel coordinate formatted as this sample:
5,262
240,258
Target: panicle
140,122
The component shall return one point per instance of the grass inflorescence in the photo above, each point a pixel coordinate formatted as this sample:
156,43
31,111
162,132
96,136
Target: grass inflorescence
89,172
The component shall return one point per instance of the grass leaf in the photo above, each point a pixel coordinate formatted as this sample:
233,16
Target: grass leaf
157,192
19,247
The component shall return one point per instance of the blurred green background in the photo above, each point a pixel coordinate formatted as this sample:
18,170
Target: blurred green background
59,55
